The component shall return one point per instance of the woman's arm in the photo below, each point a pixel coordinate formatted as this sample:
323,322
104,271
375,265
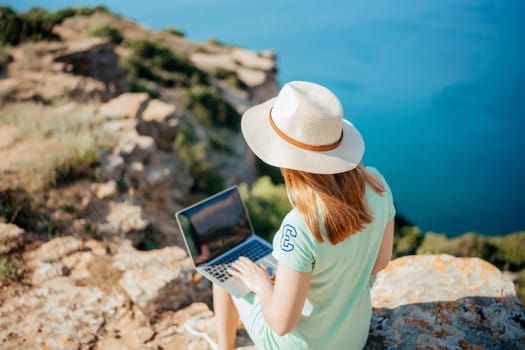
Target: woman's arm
282,303
385,251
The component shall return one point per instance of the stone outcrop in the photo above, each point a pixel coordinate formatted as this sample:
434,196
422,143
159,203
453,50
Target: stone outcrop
257,70
82,70
159,121
89,294
127,105
94,58
443,302
12,238
451,278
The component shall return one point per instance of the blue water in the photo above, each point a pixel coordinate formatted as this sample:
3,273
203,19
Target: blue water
437,88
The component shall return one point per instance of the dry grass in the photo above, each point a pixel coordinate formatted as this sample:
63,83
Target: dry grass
41,143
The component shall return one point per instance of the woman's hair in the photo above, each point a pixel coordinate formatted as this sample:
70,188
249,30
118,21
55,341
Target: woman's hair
339,198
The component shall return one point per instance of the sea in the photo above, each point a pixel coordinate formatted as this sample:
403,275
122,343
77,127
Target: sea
437,88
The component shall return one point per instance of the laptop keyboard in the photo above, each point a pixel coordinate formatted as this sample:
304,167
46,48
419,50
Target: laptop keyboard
254,250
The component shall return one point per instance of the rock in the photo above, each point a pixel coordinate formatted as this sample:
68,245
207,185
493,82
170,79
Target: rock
130,331
159,176
143,285
251,77
126,105
133,147
105,190
125,220
94,58
146,273
78,264
51,86
255,69
158,111
254,60
12,238
45,271
58,316
437,278
467,323
135,176
443,302
160,122
130,258
54,250
112,166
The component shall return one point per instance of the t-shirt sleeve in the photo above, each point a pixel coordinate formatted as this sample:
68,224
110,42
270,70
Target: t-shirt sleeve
293,244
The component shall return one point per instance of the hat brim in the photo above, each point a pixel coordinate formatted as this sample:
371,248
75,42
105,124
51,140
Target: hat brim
274,150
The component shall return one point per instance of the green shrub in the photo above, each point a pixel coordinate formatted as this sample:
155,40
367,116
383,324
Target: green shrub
215,41
267,204
37,23
509,252
34,25
5,59
11,268
195,153
15,207
60,15
406,241
506,252
230,77
82,164
136,86
151,61
106,31
174,31
208,106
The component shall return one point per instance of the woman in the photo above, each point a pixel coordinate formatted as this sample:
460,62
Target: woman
338,233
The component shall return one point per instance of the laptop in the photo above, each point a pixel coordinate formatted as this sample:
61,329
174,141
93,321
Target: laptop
216,232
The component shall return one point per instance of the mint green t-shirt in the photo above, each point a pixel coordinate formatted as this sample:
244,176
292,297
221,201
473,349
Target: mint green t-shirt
337,311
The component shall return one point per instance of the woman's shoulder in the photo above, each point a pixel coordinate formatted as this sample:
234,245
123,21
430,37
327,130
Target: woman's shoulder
294,223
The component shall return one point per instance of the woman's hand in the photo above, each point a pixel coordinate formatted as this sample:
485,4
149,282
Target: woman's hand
255,277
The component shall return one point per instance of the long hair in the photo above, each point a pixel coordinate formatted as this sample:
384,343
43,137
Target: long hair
338,198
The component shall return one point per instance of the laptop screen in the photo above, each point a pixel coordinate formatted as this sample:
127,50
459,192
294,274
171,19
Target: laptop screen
214,225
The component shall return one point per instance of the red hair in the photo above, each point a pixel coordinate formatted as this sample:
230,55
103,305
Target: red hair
339,198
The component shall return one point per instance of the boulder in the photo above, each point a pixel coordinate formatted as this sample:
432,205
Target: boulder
54,250
12,238
126,105
51,86
437,278
59,316
94,58
147,273
160,122
466,323
124,219
443,302
133,147
106,190
45,271
251,59
112,166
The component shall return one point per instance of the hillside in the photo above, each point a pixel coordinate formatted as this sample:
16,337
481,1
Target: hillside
106,129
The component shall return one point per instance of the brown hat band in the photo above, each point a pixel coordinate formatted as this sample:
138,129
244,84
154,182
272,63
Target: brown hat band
300,144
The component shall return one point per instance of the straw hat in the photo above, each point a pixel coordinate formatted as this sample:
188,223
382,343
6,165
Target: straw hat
303,129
